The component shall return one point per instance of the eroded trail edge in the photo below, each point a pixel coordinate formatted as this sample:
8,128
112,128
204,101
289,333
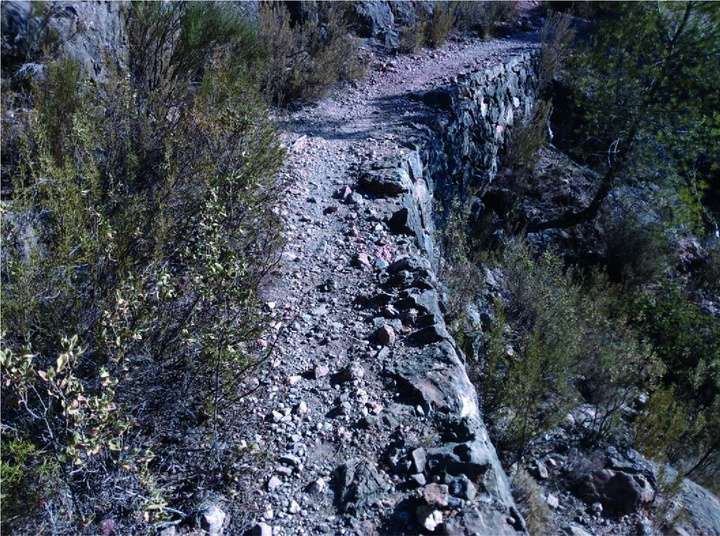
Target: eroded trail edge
366,415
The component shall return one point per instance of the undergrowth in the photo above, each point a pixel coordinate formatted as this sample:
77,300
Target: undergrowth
137,229
306,59
555,341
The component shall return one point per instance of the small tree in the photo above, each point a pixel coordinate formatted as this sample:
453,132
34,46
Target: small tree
648,79
524,377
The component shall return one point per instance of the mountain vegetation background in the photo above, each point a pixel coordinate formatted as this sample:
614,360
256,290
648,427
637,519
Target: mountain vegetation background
140,219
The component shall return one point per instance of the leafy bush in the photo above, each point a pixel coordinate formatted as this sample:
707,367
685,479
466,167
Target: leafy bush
305,60
139,226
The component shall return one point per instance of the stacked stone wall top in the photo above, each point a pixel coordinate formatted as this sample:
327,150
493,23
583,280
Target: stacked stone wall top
461,156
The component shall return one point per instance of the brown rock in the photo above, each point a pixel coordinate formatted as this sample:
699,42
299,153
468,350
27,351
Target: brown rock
617,491
386,335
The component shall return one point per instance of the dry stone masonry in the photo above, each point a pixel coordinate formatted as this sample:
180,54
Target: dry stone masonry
459,156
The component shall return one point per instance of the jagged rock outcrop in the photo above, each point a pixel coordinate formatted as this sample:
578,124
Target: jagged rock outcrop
375,20
91,32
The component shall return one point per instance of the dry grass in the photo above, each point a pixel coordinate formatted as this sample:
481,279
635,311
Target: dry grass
529,499
443,21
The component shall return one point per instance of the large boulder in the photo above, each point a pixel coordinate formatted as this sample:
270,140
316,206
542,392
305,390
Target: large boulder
386,181
408,13
619,492
375,20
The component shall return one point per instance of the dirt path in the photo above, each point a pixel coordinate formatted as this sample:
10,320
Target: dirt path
311,412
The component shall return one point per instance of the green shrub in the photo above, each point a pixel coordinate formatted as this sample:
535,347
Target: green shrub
635,253
687,407
461,273
686,338
432,30
441,24
707,274
139,226
661,426
528,138
305,60
27,478
524,380
615,365
556,339
171,43
22,58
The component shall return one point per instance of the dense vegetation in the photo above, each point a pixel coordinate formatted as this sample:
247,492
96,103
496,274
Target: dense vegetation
649,110
633,333
139,220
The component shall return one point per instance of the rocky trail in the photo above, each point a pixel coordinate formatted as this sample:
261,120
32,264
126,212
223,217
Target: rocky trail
354,443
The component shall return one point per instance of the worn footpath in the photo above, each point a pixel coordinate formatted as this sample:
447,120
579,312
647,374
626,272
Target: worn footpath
365,417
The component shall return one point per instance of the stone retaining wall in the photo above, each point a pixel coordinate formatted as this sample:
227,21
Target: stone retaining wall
457,160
